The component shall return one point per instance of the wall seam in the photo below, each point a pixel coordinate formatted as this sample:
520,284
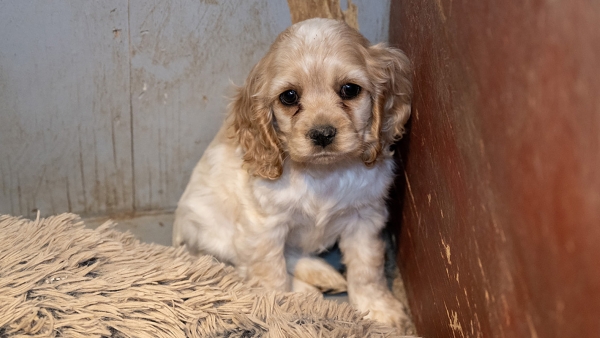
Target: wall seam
131,128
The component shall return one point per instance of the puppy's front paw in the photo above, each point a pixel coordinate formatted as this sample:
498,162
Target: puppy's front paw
391,312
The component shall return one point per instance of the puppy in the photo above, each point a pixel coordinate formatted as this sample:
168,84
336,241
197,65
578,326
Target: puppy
301,162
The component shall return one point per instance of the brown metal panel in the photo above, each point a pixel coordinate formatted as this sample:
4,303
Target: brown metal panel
500,231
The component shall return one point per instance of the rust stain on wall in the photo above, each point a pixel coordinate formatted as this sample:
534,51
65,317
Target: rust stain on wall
301,10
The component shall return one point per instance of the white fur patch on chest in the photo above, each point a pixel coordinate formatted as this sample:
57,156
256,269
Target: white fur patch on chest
314,203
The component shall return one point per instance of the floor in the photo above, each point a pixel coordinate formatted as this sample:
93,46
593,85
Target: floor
149,228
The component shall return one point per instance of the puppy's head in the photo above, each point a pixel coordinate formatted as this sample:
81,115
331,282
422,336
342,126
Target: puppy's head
322,94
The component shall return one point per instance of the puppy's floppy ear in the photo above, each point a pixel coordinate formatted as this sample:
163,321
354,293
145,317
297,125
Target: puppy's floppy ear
391,76
253,126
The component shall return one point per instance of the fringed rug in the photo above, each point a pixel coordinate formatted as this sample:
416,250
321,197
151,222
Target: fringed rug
59,279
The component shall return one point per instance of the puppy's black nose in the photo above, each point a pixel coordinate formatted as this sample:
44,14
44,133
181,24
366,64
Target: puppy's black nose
322,135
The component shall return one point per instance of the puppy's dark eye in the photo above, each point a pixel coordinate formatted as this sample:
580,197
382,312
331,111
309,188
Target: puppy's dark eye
349,91
289,97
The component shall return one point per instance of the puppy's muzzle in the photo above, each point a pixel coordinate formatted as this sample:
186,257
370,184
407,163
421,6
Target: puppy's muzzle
322,135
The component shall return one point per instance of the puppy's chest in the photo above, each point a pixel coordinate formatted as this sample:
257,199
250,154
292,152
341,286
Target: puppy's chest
310,200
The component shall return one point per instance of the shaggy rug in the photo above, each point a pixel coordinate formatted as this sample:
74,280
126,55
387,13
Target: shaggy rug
59,279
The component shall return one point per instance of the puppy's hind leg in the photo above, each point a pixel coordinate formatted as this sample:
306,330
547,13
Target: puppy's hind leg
313,271
297,285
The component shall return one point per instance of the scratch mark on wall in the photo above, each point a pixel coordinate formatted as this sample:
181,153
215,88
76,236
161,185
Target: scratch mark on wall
481,268
96,193
19,195
454,324
10,179
412,198
113,139
505,310
83,189
301,10
497,228
3,187
161,168
149,183
440,8
532,329
447,251
476,332
69,205
144,88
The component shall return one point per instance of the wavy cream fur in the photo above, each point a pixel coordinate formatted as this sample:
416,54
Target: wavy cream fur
265,198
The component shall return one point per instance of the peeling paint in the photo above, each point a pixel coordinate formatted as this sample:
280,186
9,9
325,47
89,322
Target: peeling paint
454,324
447,251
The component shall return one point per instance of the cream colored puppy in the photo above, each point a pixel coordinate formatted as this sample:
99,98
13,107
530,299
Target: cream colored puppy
303,161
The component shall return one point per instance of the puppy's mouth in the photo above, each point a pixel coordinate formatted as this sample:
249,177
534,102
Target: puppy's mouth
324,157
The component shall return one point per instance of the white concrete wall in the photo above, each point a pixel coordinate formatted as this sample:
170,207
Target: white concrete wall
105,106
